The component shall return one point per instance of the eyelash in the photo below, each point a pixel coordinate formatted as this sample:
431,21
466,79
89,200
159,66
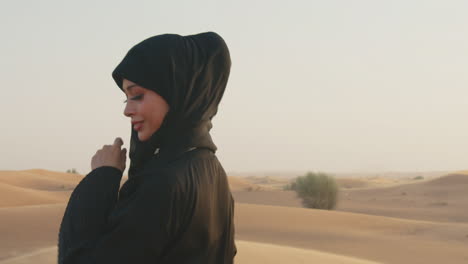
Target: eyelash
138,97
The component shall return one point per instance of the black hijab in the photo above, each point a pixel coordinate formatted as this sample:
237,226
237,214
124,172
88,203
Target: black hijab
190,73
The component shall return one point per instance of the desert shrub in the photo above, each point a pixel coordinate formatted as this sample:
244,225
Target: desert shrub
418,178
73,171
290,186
317,190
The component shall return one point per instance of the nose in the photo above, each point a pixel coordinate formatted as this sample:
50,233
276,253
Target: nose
129,110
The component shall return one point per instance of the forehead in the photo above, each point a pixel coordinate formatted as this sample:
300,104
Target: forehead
128,86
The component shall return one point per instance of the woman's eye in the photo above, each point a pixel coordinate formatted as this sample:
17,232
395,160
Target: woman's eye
138,97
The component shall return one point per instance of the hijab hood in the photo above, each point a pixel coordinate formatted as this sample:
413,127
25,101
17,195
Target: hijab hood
190,73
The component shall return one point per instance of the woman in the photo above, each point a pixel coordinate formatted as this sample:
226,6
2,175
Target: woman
176,206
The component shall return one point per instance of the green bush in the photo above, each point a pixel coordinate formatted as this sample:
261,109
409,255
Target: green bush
73,171
418,178
290,187
317,190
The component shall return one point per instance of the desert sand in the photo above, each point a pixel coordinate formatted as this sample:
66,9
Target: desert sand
443,199
413,221
249,253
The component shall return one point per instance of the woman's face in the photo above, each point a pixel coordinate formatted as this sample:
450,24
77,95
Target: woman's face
145,107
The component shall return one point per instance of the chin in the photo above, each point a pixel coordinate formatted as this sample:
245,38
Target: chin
143,137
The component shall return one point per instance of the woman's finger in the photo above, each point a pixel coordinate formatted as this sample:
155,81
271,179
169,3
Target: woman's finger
118,142
106,147
123,158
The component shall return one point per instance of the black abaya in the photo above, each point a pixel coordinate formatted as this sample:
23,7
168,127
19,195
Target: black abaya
176,206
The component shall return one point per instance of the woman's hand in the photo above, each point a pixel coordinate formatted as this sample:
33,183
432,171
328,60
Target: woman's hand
110,155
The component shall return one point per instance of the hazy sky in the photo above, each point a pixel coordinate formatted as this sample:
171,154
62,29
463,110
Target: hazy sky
315,85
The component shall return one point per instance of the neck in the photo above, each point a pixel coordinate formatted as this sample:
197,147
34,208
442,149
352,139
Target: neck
178,141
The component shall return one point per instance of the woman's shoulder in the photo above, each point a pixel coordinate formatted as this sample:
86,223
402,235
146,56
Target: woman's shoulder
181,169
193,163
192,159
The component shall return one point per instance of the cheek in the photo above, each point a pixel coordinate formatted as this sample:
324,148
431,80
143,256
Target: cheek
154,117
157,114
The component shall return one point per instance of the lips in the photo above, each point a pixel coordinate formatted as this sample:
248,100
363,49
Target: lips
137,125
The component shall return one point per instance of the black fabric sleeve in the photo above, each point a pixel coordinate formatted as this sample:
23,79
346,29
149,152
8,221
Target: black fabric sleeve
88,208
97,229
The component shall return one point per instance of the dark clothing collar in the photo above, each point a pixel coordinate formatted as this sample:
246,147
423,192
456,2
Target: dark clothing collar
176,144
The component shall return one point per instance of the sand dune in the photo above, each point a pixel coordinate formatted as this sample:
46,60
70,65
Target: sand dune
255,253
41,256
348,183
380,239
40,179
27,228
451,179
239,184
279,198
269,182
33,187
441,199
249,253
17,196
266,234
376,238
